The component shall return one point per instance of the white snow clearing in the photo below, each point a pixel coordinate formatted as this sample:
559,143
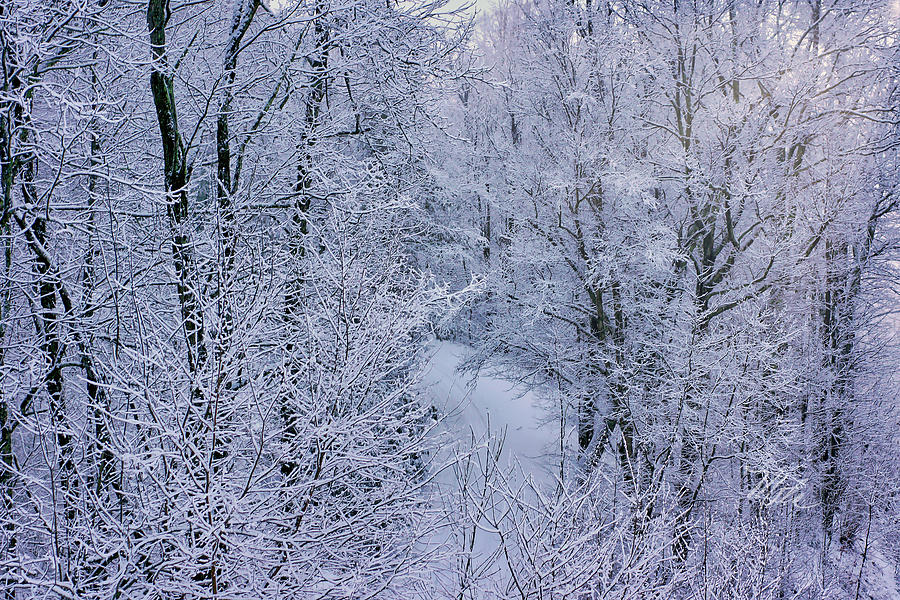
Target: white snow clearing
486,404
478,410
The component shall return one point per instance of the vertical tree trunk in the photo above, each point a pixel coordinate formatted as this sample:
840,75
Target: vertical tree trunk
176,175
302,204
243,17
7,425
176,178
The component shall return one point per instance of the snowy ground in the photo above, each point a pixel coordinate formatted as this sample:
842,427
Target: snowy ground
474,409
486,403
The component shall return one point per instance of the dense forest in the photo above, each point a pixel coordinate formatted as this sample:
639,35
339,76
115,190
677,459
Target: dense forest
248,243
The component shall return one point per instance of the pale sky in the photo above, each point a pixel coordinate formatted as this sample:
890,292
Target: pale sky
480,5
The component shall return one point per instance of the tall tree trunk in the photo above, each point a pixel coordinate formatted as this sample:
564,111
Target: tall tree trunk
302,205
176,178
176,175
7,424
243,17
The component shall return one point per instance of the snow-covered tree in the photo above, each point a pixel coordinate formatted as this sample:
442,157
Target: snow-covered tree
212,322
691,207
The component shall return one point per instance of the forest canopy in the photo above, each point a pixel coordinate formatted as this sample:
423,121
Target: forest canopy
252,247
